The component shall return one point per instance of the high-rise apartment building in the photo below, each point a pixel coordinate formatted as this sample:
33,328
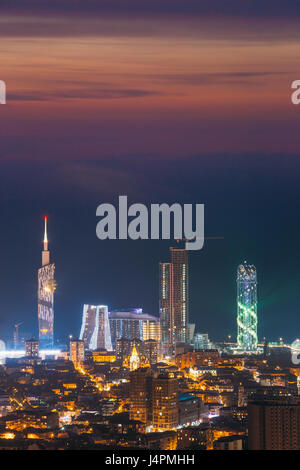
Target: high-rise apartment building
32,348
247,307
166,309
164,402
95,328
179,260
274,424
154,399
77,352
140,396
46,288
174,313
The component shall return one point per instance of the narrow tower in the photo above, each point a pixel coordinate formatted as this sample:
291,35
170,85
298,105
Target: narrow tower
174,314
179,260
46,288
247,307
166,309
45,252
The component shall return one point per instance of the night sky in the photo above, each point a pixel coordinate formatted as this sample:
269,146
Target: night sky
163,101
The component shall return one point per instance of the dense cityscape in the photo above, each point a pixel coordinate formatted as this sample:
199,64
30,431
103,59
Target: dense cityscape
131,380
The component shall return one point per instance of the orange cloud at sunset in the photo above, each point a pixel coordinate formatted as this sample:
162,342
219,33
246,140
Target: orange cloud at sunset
138,76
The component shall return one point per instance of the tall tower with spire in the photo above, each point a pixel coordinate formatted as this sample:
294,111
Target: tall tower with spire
46,288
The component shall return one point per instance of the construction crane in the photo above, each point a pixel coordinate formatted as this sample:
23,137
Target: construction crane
178,240
16,335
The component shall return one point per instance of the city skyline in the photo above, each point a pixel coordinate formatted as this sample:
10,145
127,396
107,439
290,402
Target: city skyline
149,201
177,256
180,105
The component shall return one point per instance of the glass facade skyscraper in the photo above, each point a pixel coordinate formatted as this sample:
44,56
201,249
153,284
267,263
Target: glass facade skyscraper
166,309
179,260
174,313
247,307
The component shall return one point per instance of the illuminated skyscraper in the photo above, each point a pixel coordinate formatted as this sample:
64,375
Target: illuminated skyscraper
174,300
179,260
95,328
88,326
46,288
166,309
247,307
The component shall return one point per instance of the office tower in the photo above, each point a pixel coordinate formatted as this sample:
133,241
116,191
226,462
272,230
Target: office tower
46,288
274,425
174,313
201,341
247,307
95,328
131,324
32,348
77,352
140,396
179,260
166,309
164,402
